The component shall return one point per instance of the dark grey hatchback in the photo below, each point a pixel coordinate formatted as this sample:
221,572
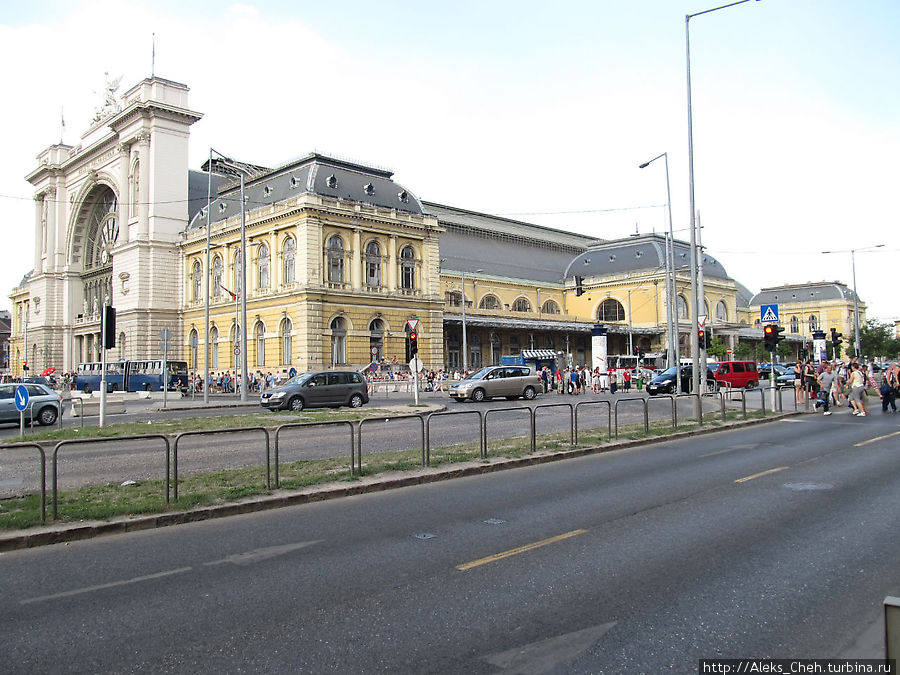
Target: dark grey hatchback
329,389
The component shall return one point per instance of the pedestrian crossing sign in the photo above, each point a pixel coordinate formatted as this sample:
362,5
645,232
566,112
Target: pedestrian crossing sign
768,314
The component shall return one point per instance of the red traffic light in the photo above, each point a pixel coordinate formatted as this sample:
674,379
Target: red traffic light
413,335
768,329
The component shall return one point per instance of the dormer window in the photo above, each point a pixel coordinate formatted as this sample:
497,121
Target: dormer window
369,189
331,181
403,196
267,190
222,207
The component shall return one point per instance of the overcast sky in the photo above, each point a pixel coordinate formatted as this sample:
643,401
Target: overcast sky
534,110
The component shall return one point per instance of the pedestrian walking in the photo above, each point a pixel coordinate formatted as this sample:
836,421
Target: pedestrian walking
857,390
825,381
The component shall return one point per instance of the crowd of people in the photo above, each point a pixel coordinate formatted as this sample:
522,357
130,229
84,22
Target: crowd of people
841,383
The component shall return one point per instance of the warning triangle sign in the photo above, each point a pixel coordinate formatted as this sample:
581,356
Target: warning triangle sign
769,315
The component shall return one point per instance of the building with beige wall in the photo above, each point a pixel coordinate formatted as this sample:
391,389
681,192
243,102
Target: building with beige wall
341,260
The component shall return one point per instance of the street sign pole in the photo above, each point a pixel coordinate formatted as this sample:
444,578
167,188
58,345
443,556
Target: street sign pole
21,395
102,367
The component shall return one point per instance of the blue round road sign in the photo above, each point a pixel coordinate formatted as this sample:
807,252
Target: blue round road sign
21,398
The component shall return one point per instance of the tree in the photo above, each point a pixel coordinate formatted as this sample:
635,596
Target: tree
876,340
717,348
785,349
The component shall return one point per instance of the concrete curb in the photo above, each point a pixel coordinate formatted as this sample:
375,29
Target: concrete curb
46,535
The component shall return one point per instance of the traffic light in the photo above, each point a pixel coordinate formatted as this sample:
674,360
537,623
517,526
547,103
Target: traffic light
835,337
803,354
579,290
634,351
413,344
770,337
25,366
109,327
703,338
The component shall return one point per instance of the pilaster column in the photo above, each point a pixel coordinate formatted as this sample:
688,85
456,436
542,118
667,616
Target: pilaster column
356,260
143,139
126,208
392,264
39,225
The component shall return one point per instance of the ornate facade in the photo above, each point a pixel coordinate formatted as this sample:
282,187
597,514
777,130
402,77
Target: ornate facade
340,261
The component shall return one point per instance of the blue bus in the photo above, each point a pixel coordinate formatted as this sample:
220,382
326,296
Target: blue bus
131,376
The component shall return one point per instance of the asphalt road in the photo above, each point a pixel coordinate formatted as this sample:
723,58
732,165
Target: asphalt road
779,540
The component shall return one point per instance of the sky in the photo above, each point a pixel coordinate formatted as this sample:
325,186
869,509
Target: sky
537,111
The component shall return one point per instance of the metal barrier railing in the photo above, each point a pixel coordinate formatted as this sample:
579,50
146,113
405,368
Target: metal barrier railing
85,441
219,432
571,408
608,417
671,397
530,412
625,400
481,448
297,425
699,407
720,396
81,402
372,420
43,473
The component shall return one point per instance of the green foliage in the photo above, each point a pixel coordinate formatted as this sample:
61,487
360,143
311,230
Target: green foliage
785,350
717,348
877,340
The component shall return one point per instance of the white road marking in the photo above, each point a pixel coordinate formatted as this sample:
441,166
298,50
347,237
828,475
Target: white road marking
112,584
261,554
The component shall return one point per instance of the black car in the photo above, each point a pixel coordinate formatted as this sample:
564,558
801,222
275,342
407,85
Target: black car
664,383
330,389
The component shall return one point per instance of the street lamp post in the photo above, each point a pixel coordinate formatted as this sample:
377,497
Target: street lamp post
695,342
852,253
234,169
465,347
673,357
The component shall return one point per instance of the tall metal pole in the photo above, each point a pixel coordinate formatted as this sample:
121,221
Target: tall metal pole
464,345
243,296
701,291
208,274
695,351
855,305
695,342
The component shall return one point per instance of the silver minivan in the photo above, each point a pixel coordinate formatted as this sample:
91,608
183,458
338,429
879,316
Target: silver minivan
318,390
508,381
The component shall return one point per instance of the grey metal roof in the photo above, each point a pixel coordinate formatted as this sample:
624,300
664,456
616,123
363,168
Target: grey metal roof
317,174
809,292
502,247
639,253
744,295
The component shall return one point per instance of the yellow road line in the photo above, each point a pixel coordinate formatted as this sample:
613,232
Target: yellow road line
516,551
872,440
761,473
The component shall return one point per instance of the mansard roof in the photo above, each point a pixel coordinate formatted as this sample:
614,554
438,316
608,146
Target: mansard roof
637,253
808,292
315,173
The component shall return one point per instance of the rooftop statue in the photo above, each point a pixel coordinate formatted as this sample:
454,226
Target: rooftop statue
110,105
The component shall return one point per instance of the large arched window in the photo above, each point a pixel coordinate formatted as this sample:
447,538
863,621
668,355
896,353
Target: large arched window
193,341
213,347
260,332
100,220
813,323
453,299
795,324
683,312
237,272
376,339
489,302
336,260
721,312
407,268
196,281
338,341
611,310
217,276
550,307
373,264
288,253
286,341
262,265
521,305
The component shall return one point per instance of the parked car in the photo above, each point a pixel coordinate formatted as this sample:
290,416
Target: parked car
737,373
664,383
318,390
43,403
509,381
